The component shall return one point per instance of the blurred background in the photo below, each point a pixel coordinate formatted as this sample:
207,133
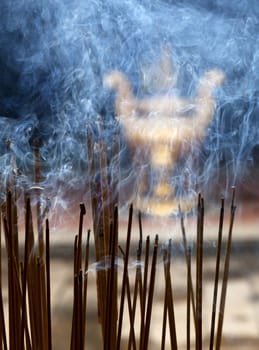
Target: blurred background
54,56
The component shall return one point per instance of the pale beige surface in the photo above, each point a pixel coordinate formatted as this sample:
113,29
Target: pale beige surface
241,323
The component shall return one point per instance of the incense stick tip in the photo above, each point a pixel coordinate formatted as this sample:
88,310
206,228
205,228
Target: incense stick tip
82,209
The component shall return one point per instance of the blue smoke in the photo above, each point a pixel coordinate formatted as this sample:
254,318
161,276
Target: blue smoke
54,54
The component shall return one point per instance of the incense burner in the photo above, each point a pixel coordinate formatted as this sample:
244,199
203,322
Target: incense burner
161,130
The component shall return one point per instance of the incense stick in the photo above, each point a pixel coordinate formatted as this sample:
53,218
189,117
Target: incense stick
144,296
225,273
216,281
110,335
132,331
74,316
199,271
145,335
87,247
11,286
37,179
48,285
2,317
25,270
185,245
188,309
138,277
29,286
3,339
125,272
170,299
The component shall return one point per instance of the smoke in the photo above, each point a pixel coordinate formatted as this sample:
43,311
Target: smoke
105,264
54,54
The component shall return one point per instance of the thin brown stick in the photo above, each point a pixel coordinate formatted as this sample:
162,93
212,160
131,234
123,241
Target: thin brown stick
185,245
96,201
25,270
110,317
199,270
31,281
33,287
115,226
74,315
170,299
44,303
105,195
48,285
40,318
101,275
138,278
80,232
146,264
42,280
1,206
85,282
225,274
12,209
27,335
115,170
80,310
2,329
38,179
144,296
11,290
18,299
150,297
132,331
76,318
139,257
3,339
125,272
139,252
8,225
165,257
188,311
33,300
15,223
216,280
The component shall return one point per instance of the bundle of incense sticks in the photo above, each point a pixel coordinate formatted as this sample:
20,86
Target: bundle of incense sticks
119,299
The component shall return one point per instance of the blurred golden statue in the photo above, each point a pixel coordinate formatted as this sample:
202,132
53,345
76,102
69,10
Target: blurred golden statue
160,129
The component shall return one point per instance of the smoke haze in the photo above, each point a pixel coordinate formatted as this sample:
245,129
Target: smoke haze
54,54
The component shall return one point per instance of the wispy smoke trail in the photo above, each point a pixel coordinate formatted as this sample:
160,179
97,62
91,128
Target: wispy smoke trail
54,54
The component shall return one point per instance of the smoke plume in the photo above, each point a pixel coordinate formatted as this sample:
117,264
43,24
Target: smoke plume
54,55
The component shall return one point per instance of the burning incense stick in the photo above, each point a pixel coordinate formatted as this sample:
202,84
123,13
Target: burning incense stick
132,338
48,285
3,338
87,247
189,289
216,282
185,245
125,271
225,273
25,270
30,290
168,301
145,277
199,272
145,336
110,336
138,293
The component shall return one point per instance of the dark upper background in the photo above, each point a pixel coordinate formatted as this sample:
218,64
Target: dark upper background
53,55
